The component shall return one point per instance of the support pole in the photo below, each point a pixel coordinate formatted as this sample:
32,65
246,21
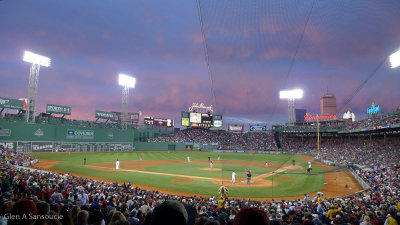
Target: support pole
125,94
32,93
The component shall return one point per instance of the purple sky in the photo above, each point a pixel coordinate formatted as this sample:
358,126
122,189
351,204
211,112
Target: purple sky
250,43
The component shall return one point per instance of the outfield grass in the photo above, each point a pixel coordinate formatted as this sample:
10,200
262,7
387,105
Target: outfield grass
303,183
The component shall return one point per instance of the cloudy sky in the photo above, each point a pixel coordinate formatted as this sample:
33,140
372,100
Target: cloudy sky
255,48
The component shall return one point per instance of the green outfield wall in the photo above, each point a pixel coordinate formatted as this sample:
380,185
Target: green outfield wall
160,146
54,138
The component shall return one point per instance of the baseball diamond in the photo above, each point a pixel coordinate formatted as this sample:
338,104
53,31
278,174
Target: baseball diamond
163,171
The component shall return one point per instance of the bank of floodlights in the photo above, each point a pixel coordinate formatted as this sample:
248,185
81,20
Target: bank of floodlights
395,59
36,61
291,95
127,82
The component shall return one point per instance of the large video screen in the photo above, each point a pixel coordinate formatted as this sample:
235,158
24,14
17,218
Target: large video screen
195,117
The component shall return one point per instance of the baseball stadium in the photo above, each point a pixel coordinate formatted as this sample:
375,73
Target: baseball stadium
222,121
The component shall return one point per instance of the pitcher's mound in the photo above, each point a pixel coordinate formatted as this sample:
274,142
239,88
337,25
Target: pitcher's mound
211,169
182,180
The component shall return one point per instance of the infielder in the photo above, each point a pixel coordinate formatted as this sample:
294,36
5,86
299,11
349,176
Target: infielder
219,157
266,163
233,177
309,166
211,164
117,164
140,157
188,159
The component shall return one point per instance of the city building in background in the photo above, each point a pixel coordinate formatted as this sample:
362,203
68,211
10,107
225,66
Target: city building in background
300,113
328,104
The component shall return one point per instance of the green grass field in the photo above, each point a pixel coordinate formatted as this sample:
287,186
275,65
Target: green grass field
301,182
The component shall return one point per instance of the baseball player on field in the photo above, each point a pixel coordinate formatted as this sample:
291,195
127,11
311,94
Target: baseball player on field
233,176
211,163
188,159
117,164
266,163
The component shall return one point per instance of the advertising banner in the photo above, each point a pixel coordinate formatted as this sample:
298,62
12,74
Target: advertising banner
131,117
185,122
11,103
235,127
374,109
42,146
105,115
80,134
5,132
58,109
217,120
258,128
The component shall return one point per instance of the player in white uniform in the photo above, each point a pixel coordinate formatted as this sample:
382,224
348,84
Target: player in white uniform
266,163
309,166
117,164
233,177
211,164
188,159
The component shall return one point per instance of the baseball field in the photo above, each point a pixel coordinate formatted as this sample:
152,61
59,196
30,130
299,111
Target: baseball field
169,172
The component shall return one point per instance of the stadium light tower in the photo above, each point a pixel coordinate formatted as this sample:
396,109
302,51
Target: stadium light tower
36,61
291,95
395,59
127,82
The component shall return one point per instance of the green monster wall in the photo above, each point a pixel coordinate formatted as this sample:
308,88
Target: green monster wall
54,138
60,138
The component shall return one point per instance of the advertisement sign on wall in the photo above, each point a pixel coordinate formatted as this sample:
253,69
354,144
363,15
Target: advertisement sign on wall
262,128
80,134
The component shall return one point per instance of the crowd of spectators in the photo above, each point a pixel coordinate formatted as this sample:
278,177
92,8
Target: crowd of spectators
30,196
385,120
363,151
225,140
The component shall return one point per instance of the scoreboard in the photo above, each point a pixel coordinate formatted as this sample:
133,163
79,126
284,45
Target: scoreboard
194,119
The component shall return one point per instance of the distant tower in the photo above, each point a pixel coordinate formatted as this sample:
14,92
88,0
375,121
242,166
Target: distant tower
328,104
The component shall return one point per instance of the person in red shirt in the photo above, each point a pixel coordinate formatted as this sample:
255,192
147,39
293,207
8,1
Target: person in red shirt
211,163
266,163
